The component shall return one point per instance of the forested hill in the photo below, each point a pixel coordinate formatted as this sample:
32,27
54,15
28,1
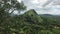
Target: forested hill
30,23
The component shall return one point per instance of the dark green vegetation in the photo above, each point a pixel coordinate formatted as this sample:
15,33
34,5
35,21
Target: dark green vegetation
27,23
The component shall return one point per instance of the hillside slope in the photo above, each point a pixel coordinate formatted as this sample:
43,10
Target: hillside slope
30,23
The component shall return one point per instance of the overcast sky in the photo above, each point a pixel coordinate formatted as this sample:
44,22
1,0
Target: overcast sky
43,6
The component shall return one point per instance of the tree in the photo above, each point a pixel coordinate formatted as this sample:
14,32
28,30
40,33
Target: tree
5,7
12,5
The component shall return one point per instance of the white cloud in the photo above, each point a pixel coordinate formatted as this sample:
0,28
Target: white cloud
15,12
51,8
35,1
19,1
56,2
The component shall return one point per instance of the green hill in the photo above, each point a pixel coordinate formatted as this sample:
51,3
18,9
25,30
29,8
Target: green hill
29,23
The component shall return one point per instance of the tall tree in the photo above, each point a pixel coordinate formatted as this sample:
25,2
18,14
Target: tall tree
5,7
11,5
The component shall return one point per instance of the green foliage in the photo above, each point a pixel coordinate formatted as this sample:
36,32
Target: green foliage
7,23
45,32
13,5
28,23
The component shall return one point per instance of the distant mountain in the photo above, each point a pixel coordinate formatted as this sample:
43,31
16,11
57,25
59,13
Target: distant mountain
49,15
45,15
